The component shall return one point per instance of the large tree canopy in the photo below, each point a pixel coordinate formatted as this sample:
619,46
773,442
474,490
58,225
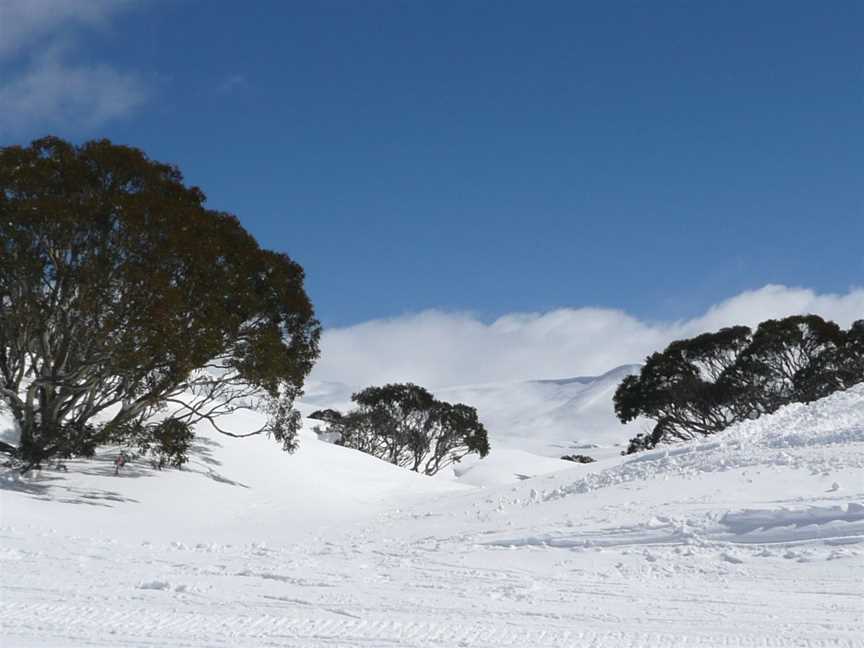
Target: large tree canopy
121,296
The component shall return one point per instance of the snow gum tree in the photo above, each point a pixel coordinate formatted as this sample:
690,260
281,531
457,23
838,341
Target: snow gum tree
406,426
702,385
124,301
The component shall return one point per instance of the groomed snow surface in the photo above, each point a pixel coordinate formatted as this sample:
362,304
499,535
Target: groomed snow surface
753,538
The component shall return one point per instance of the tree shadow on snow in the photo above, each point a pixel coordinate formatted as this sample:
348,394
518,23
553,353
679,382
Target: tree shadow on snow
217,477
53,488
102,465
201,454
12,480
93,497
51,483
202,450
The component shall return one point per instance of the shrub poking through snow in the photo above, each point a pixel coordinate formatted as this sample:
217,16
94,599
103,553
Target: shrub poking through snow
121,296
578,458
406,426
702,385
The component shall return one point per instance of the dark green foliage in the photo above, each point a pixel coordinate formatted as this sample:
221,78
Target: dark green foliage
168,443
702,385
684,388
838,367
771,371
66,440
120,291
456,433
638,443
578,458
406,426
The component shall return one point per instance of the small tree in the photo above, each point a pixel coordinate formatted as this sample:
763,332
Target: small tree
406,426
121,295
456,433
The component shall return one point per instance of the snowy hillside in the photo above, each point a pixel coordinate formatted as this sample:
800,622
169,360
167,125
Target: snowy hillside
229,486
545,417
752,538
552,417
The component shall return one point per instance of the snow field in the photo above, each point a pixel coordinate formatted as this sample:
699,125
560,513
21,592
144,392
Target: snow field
752,538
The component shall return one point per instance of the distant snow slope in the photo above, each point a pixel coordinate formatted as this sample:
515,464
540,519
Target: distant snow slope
545,417
754,537
551,417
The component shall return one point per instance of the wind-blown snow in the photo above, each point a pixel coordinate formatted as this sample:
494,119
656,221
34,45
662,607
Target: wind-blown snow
754,537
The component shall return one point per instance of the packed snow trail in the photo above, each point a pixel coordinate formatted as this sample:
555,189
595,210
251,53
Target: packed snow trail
364,590
752,538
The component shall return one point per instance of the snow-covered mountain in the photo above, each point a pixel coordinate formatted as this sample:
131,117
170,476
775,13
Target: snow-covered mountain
551,417
754,537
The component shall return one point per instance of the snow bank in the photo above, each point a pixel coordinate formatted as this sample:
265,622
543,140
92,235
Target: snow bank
231,489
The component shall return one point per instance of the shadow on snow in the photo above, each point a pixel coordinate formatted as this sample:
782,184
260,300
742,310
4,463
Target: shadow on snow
51,483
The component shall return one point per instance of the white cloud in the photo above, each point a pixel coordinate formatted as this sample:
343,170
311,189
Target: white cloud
41,85
24,21
436,348
52,93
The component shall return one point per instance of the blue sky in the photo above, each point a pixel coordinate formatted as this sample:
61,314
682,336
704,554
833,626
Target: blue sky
494,157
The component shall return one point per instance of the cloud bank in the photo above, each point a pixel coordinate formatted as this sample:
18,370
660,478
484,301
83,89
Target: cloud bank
42,85
437,349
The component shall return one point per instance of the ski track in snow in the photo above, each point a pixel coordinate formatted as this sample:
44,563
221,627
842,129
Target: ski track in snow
754,538
419,593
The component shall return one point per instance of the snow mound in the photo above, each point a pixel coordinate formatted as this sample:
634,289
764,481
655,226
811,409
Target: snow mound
789,437
229,487
698,493
832,525
842,524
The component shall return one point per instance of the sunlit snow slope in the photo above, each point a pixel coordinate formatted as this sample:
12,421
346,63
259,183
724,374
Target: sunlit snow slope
754,537
229,487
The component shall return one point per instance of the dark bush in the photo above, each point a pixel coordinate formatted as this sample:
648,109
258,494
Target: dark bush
579,458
